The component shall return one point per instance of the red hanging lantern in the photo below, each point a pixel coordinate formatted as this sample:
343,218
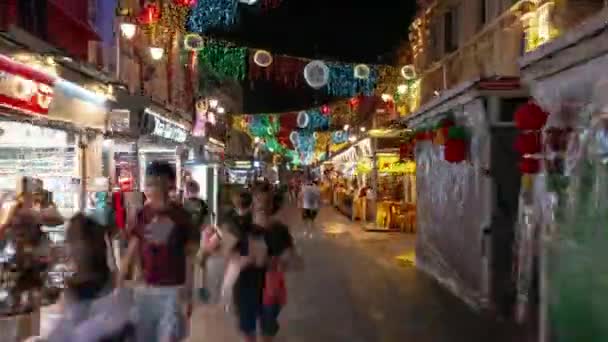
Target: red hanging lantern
455,151
528,143
185,3
150,14
529,165
530,117
325,110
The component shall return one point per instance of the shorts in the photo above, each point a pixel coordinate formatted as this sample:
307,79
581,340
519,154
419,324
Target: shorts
160,316
309,214
267,315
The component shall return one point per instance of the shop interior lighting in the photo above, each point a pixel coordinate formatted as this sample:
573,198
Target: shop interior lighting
213,103
79,92
221,110
362,129
157,53
128,30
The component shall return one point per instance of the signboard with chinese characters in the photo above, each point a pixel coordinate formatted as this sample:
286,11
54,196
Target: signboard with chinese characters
158,126
20,93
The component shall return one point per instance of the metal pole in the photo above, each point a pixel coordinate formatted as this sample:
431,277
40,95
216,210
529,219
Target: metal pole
82,195
117,34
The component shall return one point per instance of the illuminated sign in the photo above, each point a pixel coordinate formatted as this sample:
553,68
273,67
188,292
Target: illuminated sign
20,93
161,127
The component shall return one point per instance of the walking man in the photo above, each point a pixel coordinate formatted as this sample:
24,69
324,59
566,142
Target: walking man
311,199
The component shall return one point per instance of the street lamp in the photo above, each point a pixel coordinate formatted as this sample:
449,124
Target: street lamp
128,30
157,53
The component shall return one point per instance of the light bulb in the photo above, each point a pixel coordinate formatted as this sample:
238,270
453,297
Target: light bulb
256,140
157,53
221,110
362,129
128,30
386,97
213,103
402,89
346,127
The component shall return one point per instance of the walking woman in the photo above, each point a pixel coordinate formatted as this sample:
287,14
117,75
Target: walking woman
264,252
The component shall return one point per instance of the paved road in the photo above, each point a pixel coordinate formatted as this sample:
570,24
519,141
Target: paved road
354,290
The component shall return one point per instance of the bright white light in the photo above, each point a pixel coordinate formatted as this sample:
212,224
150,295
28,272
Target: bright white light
436,93
248,2
157,53
221,110
386,97
256,164
256,140
402,89
362,129
107,143
352,138
346,127
128,30
213,103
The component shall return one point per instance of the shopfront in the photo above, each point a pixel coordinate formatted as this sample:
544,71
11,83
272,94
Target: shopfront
564,212
467,185
50,131
162,139
205,168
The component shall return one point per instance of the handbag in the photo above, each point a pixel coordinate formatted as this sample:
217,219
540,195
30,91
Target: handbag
275,289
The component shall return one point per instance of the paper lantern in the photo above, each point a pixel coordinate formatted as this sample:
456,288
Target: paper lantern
150,14
361,72
303,119
316,74
455,151
185,3
262,58
530,117
529,165
528,143
193,42
408,72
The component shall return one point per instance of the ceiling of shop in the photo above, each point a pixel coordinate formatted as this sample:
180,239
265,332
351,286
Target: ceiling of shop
348,31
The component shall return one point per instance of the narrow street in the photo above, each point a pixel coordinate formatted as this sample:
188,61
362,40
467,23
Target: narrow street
355,289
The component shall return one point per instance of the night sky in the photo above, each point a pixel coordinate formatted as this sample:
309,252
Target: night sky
336,30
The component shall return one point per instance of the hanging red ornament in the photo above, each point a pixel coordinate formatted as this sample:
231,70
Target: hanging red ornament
455,151
185,3
528,143
529,165
325,110
150,14
530,117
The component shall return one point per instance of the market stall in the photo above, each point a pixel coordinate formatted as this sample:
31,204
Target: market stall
564,212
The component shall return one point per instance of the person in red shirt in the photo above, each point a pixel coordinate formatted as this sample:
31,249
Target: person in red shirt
163,238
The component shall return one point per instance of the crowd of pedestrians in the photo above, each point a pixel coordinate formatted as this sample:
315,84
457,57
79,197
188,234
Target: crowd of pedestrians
173,245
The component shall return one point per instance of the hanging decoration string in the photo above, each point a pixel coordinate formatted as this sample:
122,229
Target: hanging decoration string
227,61
210,15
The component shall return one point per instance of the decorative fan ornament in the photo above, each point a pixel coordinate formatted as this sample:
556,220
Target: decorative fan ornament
303,119
293,137
193,42
202,106
408,72
262,58
361,72
316,74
